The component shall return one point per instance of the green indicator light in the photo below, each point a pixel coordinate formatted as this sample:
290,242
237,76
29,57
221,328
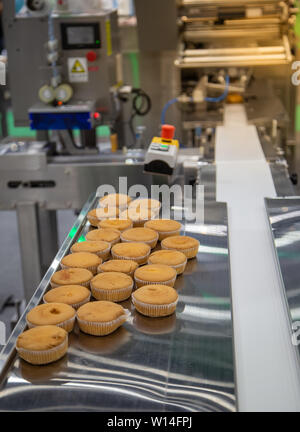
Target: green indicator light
97,42
73,233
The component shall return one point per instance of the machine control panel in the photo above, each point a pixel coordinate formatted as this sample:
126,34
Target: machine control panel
81,36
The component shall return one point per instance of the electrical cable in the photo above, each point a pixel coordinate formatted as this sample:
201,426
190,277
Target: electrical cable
165,109
207,99
141,106
224,95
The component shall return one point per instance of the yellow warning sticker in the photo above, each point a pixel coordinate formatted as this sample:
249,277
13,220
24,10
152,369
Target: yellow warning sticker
78,69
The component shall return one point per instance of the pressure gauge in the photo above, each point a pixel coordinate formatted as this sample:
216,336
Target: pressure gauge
47,94
63,93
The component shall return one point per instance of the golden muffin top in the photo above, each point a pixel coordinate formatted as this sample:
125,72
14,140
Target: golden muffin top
120,266
71,276
100,311
155,273
167,257
42,338
139,235
90,246
163,225
68,294
108,235
50,314
180,243
111,281
81,260
131,250
156,295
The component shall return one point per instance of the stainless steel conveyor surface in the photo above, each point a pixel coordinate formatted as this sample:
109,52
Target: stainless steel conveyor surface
183,362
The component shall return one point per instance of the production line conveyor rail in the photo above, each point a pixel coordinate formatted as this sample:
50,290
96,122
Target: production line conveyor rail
184,362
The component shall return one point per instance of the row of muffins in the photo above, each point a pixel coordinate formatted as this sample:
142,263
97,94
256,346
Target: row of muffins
114,283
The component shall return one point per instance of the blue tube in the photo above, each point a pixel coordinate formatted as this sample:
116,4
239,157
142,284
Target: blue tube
208,99
223,96
165,109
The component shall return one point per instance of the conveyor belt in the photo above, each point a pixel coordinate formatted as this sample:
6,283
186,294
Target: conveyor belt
179,363
266,361
284,218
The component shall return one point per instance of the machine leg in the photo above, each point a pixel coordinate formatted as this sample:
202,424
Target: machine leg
48,236
28,223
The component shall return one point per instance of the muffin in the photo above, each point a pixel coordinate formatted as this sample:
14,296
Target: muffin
100,248
164,227
71,276
155,274
83,260
112,286
99,214
72,295
57,314
120,266
155,300
115,200
118,224
171,258
138,252
187,245
139,216
101,318
111,236
150,204
144,235
42,345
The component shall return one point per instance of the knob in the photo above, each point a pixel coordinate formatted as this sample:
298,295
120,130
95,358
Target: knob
46,94
168,132
91,56
64,93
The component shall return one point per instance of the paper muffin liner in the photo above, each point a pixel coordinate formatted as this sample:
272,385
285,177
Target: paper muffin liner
102,329
141,282
92,269
104,255
94,221
166,234
67,325
75,305
151,243
189,253
140,260
117,295
179,267
140,223
154,311
44,357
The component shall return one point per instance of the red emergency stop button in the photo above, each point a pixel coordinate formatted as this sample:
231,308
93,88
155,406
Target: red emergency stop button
91,56
168,132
